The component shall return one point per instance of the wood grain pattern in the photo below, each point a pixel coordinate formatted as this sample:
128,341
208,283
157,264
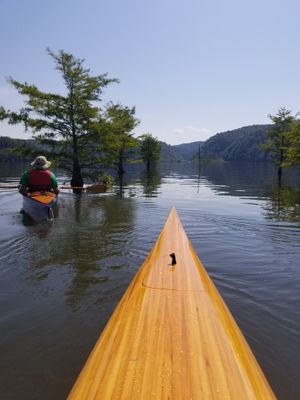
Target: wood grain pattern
171,336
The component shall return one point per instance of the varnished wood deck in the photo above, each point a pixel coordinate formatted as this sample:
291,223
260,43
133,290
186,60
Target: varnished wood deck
171,336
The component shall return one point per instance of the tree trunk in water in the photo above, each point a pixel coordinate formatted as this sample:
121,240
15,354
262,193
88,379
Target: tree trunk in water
148,166
76,177
121,185
76,173
120,165
279,175
281,158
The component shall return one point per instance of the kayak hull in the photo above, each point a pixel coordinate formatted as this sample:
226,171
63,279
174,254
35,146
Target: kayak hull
171,336
40,205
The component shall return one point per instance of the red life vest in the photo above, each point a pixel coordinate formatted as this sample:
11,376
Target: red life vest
39,180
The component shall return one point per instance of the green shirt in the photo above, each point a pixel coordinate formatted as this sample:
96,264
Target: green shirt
25,180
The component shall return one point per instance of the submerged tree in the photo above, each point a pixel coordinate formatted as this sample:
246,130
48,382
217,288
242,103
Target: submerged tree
70,124
150,150
293,152
120,144
277,142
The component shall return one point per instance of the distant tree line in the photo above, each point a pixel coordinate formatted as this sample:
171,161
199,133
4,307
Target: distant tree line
7,146
17,149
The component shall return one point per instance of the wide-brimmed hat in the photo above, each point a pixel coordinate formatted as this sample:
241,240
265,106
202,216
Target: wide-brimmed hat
40,162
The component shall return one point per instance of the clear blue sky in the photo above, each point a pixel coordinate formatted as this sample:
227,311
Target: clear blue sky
192,68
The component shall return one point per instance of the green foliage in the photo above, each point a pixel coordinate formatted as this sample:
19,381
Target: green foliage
107,179
71,125
277,142
150,150
120,145
2,113
293,151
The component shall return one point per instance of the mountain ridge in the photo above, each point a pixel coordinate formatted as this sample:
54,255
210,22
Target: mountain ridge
241,144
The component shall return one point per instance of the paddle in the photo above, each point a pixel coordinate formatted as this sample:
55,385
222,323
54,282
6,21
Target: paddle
97,188
8,187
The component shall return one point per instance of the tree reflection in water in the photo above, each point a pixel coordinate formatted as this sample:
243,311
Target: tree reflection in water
283,204
89,240
151,182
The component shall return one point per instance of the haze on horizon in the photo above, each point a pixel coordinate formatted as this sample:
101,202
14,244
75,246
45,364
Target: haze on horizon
191,69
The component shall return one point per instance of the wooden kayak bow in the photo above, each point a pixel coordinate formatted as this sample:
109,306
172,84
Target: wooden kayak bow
171,336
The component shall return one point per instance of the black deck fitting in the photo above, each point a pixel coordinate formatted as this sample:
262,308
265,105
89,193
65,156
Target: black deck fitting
172,255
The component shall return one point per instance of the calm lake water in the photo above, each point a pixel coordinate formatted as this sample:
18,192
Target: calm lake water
60,282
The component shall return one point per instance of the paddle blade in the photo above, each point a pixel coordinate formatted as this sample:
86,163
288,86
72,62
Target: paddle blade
99,188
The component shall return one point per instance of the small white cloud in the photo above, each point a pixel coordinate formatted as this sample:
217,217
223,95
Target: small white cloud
178,131
189,134
199,130
191,128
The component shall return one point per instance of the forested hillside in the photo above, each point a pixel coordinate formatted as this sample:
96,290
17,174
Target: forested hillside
188,151
170,153
241,144
9,146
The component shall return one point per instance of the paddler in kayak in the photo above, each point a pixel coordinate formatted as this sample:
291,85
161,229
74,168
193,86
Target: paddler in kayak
39,178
